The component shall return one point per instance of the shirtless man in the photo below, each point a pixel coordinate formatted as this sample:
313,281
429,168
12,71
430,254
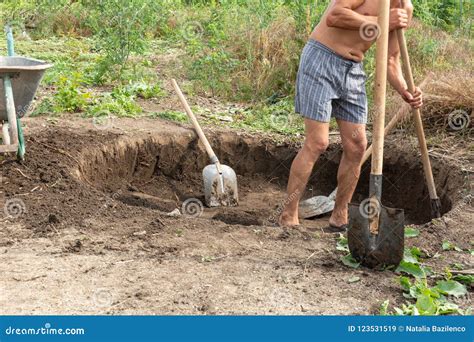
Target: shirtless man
331,82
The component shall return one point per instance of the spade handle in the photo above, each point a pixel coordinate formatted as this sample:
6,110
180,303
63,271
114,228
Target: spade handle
417,115
380,87
197,127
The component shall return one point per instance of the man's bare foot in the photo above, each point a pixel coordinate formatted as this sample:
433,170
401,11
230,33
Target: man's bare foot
288,220
339,218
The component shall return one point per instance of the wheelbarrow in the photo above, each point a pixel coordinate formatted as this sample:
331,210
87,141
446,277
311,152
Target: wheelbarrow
20,78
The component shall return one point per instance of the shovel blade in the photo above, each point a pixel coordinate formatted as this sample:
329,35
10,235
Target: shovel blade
384,249
316,206
220,190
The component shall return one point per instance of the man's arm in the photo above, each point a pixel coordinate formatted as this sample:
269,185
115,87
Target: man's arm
395,73
342,14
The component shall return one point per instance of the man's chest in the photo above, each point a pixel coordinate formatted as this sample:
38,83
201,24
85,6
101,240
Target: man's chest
371,7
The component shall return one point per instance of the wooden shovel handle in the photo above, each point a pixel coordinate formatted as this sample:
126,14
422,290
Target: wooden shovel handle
417,115
380,87
196,125
401,115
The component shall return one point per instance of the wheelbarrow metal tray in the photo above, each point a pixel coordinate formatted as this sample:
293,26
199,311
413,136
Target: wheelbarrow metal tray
26,74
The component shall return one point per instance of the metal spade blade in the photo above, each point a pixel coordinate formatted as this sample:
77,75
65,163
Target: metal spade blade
376,250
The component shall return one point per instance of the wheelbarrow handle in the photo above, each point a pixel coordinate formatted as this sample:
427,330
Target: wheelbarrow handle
196,125
407,70
10,41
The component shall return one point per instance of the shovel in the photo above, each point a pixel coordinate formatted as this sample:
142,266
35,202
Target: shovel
376,233
220,181
435,201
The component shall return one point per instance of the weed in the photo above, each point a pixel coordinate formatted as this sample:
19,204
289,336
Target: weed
449,246
170,115
69,96
120,27
146,91
411,232
349,261
430,300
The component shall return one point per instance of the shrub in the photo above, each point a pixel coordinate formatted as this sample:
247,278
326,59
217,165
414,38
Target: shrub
121,28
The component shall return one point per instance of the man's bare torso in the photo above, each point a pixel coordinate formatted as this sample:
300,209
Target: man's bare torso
349,44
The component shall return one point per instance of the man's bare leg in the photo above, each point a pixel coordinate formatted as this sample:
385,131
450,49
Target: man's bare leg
317,140
354,142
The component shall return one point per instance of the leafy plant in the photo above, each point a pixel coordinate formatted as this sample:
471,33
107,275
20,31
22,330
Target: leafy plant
120,102
449,246
467,279
342,244
411,263
69,96
411,232
146,91
349,261
170,115
426,300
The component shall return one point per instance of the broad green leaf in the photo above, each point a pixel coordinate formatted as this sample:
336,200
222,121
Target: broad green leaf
426,305
415,251
405,282
412,269
411,232
410,255
451,287
349,260
449,308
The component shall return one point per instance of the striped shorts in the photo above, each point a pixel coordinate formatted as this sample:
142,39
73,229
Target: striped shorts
330,85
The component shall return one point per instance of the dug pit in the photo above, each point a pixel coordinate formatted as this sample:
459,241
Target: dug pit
161,172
